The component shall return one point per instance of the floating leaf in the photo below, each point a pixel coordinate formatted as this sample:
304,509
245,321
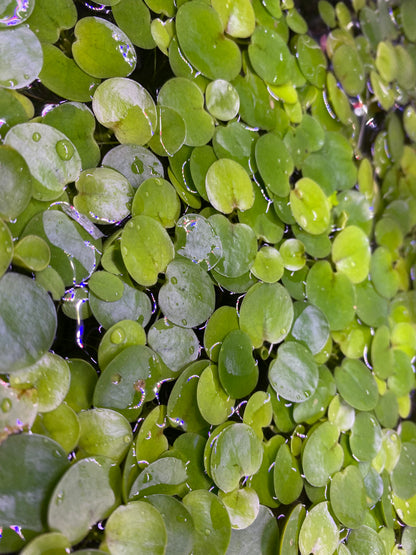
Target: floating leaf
214,55
143,261
319,533
322,455
85,494
351,253
50,377
228,186
63,77
356,384
16,183
24,340
187,298
135,162
237,453
177,346
104,195
309,206
51,157
48,20
24,494
270,56
211,521
125,106
294,373
102,50
187,100
266,313
196,239
135,529
23,45
348,497
328,290
222,100
237,369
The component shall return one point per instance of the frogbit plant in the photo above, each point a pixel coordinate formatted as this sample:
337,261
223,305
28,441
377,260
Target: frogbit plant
207,265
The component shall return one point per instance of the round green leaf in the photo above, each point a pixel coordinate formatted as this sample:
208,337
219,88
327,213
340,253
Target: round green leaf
130,379
348,497
187,298
365,541
322,455
48,20
294,373
266,313
237,453
319,533
19,44
206,47
356,384
64,77
146,249
310,206
85,494
311,60
125,107
182,410
228,186
60,424
186,98
332,293
274,163
211,521
158,199
23,341
222,100
133,305
32,252
177,346
178,522
239,246
351,253
402,480
287,480
136,529
237,369
50,377
127,14
16,183
214,402
135,162
102,50
31,465
166,475
365,439
196,239
104,432
51,157
349,69
270,56
104,195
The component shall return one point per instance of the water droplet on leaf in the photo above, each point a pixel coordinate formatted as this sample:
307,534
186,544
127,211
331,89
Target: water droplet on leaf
64,149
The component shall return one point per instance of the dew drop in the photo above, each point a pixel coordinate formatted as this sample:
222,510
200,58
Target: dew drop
6,405
191,350
207,531
137,167
184,322
36,137
174,280
64,149
127,439
59,498
115,379
118,336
